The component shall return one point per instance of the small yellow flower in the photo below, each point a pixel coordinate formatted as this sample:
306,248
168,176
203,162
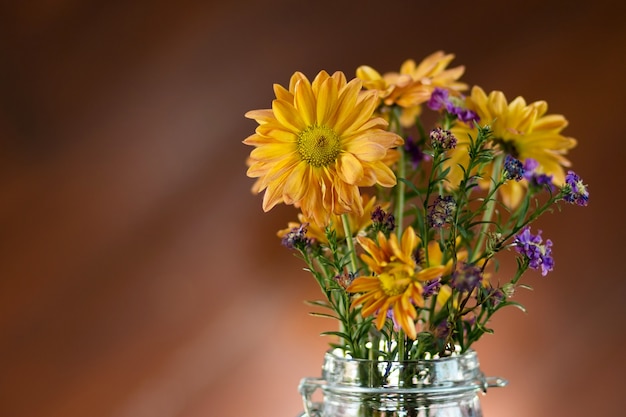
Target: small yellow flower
358,223
414,84
436,258
396,281
519,129
318,144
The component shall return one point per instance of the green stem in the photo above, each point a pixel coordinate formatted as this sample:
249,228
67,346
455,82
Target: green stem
435,171
401,345
314,271
354,263
394,126
490,206
400,194
353,267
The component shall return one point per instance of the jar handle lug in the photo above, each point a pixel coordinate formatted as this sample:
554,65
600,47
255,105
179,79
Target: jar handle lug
494,382
307,387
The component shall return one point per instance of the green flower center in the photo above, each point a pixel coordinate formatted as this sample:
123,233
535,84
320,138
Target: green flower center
508,146
391,284
319,146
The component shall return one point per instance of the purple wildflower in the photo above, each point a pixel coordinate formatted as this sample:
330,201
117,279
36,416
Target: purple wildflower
467,278
296,238
466,115
413,149
538,253
431,287
440,100
542,179
513,168
536,179
442,211
574,191
442,140
530,165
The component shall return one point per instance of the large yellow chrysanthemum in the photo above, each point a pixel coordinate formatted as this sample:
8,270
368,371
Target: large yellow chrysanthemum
396,281
318,144
414,84
520,130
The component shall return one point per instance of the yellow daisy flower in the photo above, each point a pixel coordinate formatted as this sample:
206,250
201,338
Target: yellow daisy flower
395,283
318,144
358,223
519,129
414,84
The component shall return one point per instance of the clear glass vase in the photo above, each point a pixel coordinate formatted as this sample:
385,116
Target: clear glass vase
446,387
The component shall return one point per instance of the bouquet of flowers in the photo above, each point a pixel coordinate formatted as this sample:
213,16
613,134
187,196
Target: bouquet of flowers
401,224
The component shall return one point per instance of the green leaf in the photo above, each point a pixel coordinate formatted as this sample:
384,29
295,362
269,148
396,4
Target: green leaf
328,316
511,303
411,185
336,333
318,303
482,328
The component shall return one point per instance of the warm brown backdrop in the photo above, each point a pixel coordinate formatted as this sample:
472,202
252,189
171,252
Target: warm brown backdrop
140,278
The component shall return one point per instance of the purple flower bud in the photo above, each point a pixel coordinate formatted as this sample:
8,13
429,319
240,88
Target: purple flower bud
442,211
442,140
345,279
296,238
382,221
496,296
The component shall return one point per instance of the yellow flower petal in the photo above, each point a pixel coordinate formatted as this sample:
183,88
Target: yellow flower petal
327,101
350,169
288,115
305,103
295,188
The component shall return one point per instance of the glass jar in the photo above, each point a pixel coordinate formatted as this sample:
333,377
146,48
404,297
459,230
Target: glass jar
445,387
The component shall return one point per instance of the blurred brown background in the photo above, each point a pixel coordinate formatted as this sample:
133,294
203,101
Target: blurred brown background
140,278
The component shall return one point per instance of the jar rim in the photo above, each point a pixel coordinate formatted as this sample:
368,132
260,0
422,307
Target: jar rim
468,354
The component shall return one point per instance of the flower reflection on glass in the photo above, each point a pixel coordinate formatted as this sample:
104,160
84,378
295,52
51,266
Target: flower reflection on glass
402,225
